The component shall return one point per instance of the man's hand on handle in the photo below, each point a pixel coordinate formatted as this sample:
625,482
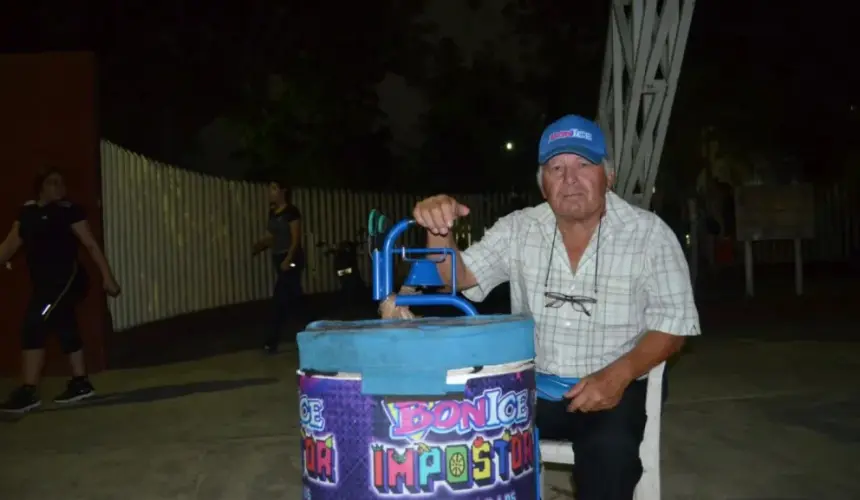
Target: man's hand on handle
438,213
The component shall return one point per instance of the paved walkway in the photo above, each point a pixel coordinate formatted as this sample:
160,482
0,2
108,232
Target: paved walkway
746,420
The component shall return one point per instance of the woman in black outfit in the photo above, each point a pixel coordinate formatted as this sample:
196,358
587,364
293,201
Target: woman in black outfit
49,230
284,237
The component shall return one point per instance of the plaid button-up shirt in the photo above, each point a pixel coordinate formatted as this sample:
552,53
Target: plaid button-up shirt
637,275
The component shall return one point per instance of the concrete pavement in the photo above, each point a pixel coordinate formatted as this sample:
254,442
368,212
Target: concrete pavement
745,420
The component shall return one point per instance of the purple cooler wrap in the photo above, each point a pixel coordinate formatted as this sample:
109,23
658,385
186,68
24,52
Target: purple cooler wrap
477,444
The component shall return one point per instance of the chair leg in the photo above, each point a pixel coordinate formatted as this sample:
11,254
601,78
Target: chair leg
648,487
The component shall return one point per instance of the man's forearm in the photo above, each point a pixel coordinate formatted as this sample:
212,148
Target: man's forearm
264,242
5,253
100,261
653,349
8,248
444,265
291,253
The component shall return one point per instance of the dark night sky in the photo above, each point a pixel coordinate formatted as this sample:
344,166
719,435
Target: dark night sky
805,48
147,74
806,43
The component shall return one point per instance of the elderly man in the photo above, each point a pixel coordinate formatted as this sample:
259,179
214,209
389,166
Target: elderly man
609,289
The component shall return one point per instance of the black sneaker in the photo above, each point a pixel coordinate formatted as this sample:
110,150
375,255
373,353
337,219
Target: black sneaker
76,390
270,349
22,400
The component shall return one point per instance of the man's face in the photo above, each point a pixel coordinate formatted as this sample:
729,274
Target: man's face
276,194
574,187
53,188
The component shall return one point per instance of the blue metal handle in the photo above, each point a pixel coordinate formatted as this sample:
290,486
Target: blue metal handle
437,300
383,274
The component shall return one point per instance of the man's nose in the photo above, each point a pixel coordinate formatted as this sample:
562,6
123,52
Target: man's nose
570,176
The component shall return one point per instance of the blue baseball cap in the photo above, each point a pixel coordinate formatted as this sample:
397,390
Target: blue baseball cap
572,134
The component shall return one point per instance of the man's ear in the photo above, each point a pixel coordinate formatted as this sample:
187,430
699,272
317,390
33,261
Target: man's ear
541,183
610,180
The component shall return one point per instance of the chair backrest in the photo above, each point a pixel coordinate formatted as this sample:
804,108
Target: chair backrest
654,398
649,452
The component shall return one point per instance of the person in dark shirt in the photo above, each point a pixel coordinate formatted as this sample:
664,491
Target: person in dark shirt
49,229
284,238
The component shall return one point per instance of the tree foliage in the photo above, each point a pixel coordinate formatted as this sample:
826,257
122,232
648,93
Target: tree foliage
169,68
479,126
478,104
316,115
562,58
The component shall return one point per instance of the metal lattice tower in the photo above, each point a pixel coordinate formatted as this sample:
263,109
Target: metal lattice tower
645,46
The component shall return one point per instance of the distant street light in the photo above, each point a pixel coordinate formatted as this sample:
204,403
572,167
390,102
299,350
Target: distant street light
509,146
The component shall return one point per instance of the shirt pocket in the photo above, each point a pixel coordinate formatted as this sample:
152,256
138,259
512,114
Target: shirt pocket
616,303
527,283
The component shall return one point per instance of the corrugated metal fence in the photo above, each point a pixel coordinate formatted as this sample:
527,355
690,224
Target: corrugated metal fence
180,241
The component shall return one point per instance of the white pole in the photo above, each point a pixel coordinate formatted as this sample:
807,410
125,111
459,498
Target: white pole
748,268
694,239
798,267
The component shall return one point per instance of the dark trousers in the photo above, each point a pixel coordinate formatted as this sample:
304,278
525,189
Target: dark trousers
285,302
605,443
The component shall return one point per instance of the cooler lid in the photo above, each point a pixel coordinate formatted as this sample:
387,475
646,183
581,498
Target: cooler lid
412,357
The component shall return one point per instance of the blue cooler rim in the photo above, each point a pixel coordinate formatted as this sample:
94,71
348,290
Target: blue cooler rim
412,358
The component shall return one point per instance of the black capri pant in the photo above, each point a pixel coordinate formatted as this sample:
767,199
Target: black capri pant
52,309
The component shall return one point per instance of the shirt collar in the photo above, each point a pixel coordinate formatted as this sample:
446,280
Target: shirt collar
618,213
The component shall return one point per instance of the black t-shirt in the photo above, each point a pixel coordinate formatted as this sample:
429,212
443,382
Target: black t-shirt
50,245
282,236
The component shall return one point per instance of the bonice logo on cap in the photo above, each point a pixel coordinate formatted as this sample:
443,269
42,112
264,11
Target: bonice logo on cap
575,133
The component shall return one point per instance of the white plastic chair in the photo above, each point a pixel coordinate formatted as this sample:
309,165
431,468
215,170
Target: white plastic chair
561,452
